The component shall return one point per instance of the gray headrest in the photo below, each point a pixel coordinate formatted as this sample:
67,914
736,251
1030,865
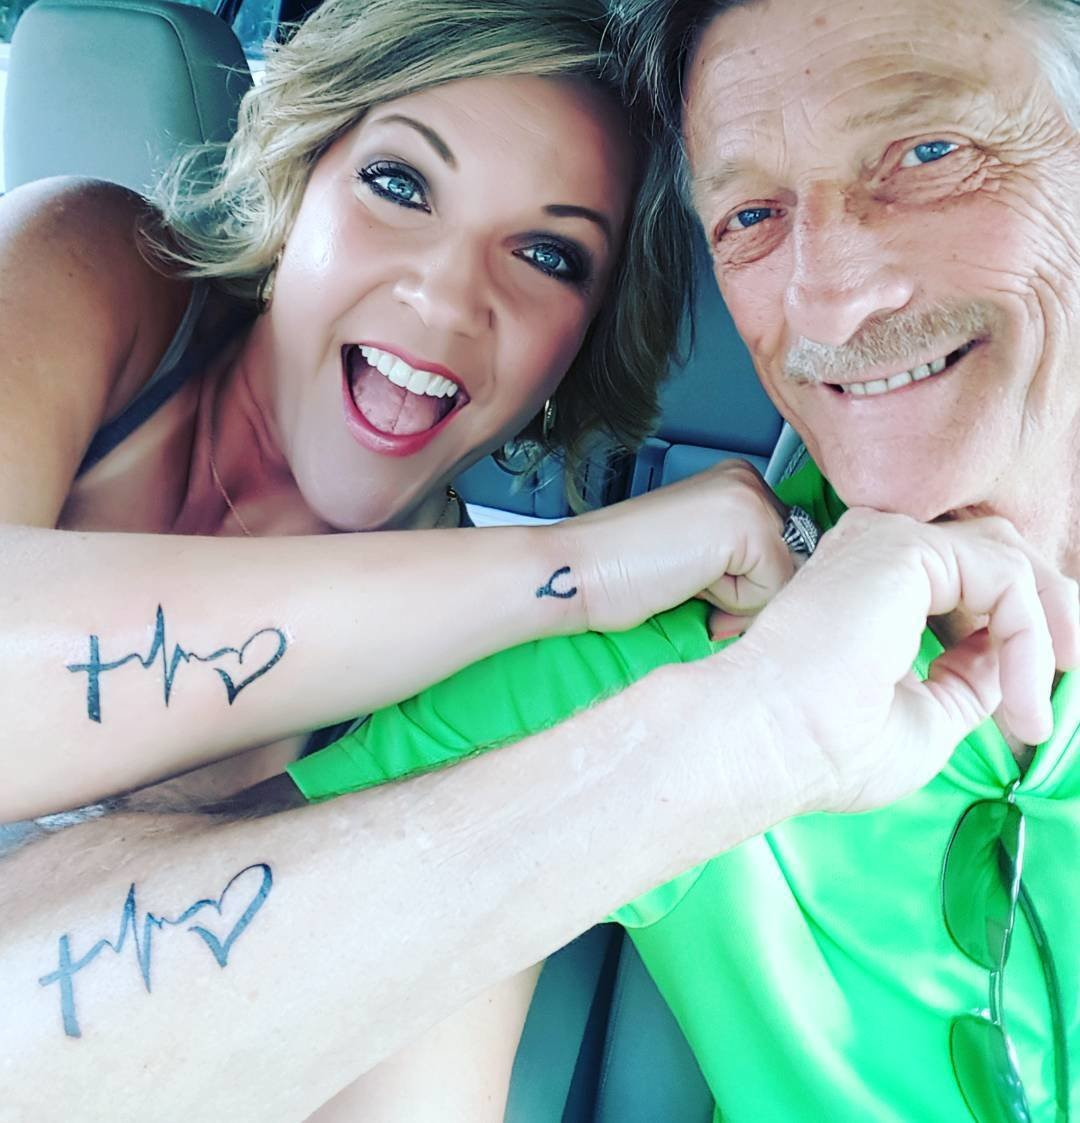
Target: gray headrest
715,400
114,88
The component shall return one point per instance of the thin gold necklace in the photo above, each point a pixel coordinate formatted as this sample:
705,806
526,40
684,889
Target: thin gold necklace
216,477
453,502
228,502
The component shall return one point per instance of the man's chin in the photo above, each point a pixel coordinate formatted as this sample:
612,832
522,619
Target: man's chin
897,497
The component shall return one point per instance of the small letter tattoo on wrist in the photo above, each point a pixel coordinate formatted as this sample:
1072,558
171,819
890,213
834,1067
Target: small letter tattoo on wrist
549,589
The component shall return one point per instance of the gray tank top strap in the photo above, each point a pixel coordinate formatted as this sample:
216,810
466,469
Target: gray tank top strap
179,362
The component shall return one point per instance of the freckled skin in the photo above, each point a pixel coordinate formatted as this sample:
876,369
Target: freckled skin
858,230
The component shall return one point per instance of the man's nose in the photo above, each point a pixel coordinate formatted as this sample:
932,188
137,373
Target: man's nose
842,272
448,287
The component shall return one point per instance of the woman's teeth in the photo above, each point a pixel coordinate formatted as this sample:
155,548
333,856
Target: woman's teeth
897,381
409,378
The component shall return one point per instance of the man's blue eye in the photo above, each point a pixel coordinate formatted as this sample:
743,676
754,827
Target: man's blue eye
743,220
927,153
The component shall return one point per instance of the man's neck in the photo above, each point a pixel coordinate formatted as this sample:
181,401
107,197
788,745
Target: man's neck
1044,506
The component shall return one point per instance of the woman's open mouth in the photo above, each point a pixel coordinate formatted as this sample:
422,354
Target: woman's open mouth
392,406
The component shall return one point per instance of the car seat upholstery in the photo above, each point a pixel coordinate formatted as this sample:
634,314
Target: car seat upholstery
499,492
600,1045
114,88
713,406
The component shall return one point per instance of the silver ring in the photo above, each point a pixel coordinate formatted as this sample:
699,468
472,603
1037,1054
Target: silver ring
800,532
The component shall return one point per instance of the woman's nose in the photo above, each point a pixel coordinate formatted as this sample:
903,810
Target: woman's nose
449,288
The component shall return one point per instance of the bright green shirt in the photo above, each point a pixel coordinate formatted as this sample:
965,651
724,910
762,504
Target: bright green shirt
810,967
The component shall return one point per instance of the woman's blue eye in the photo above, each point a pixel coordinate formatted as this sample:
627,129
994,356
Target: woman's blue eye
557,261
927,153
743,220
396,184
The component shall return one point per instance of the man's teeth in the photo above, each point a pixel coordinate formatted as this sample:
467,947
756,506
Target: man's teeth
401,374
884,385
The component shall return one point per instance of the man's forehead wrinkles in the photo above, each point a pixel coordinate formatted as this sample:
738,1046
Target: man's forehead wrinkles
902,97
724,146
723,150
735,157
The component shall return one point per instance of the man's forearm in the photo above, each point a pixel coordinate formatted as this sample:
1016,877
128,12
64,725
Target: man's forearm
253,967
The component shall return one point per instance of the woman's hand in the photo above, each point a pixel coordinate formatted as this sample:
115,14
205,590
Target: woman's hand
716,535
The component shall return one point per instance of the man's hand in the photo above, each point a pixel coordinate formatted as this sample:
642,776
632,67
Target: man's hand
716,535
834,651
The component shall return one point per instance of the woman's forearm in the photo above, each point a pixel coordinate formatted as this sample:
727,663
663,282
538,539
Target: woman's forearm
336,933
124,658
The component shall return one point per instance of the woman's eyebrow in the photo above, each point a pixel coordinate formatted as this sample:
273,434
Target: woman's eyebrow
570,210
429,134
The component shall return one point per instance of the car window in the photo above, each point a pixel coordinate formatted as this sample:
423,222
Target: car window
254,23
10,10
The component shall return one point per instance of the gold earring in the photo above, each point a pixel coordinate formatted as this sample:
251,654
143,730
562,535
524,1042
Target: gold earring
547,425
265,293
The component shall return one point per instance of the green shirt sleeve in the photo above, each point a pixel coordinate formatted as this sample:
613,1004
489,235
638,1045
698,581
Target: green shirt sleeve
515,693
499,700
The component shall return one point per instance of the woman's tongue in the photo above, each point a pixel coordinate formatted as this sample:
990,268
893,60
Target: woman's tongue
393,409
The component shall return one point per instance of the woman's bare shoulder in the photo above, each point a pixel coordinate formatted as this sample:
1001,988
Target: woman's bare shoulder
80,236
83,316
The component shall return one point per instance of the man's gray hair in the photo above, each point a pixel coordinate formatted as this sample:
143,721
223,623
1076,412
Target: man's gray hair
656,39
1057,46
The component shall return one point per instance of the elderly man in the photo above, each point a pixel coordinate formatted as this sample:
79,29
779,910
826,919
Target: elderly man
248,968
891,194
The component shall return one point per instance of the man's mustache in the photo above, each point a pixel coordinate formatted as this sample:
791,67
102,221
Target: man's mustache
894,342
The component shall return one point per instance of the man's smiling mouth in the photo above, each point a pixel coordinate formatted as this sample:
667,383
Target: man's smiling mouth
876,386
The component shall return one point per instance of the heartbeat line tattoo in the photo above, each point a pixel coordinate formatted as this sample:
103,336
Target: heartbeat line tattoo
94,668
142,935
549,589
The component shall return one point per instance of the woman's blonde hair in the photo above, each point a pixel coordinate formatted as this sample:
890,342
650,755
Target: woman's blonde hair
351,55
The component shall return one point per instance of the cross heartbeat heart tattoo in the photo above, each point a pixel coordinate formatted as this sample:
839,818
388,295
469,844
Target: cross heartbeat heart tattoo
247,891
549,589
259,651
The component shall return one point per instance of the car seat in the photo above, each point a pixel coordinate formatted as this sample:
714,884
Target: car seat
115,88
713,406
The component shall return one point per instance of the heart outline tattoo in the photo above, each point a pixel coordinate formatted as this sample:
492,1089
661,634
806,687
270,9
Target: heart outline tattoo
95,667
143,944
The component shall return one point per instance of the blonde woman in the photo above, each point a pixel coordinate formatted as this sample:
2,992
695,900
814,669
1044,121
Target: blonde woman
436,228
